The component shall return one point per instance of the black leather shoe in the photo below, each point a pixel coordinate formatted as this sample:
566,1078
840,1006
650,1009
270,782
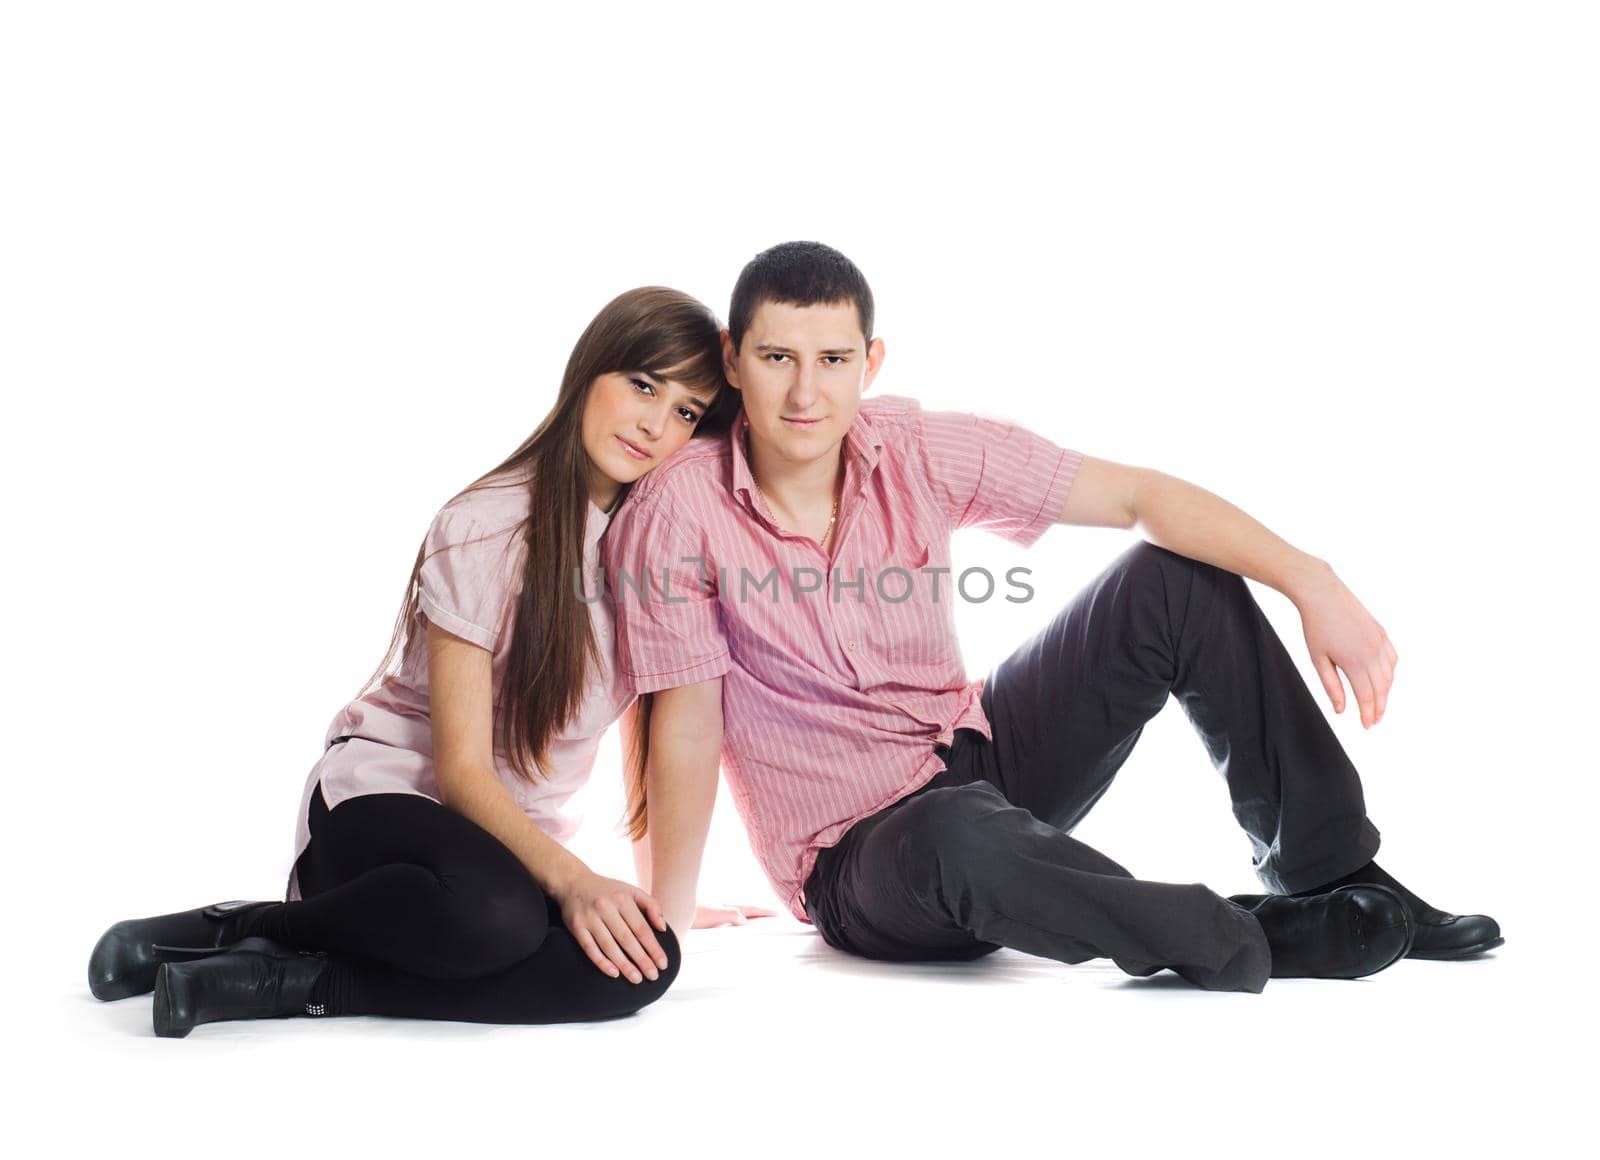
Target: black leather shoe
1455,936
124,961
1440,934
255,978
1348,933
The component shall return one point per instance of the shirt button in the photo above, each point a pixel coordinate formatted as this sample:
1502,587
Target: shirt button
851,645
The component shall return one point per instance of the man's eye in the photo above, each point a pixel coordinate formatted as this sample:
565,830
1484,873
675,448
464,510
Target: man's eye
777,356
834,358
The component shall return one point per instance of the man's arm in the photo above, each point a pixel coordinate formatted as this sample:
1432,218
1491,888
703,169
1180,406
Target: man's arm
1175,514
681,789
670,643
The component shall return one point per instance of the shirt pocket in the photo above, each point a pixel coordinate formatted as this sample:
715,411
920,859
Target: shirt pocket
916,610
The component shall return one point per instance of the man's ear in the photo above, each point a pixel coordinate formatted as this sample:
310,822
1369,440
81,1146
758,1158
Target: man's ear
730,360
875,353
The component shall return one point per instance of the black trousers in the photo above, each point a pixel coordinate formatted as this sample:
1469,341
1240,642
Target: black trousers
425,914
980,857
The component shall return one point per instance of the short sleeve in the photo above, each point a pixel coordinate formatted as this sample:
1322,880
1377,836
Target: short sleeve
470,572
669,625
992,474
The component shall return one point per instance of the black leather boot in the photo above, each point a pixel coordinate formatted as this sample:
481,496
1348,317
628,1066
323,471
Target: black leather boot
255,978
124,961
1347,933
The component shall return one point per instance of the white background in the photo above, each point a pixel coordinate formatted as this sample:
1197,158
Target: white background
278,280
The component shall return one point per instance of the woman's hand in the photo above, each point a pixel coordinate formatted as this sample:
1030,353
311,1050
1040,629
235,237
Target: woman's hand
607,917
1340,632
707,916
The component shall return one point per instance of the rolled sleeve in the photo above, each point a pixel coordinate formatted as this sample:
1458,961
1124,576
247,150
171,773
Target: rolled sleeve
468,576
669,625
996,475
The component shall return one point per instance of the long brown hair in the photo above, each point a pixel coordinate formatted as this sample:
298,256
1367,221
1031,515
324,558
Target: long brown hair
653,329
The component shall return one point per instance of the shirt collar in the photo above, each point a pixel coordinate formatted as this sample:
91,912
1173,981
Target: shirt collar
862,443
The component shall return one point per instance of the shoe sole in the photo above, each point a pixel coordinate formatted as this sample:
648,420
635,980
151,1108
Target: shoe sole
1457,952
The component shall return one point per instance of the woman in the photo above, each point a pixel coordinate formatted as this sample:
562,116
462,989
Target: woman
429,879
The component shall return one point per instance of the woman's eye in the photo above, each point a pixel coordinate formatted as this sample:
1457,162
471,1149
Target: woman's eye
643,386
688,415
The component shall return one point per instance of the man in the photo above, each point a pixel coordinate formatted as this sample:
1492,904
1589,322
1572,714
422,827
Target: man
786,595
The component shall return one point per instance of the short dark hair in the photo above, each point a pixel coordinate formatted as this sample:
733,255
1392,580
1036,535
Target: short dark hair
798,274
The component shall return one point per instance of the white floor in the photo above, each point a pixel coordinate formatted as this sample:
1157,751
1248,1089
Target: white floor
773,1042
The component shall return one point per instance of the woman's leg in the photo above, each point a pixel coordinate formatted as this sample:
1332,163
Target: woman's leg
555,984
401,880
424,914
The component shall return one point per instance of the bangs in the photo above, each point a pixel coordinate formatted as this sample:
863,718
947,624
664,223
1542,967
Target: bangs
695,365
699,375
657,331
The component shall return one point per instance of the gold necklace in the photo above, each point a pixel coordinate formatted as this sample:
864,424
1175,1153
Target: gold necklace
832,519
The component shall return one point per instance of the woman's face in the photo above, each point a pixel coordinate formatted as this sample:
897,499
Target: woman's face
632,422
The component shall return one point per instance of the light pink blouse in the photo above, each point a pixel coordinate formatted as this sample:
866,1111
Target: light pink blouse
470,575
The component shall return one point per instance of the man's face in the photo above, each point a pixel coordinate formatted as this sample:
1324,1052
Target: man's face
802,371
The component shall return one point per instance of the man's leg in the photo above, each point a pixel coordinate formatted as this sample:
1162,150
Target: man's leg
955,871
1067,707
980,856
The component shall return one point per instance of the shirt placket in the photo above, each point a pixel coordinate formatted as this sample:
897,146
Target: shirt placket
850,628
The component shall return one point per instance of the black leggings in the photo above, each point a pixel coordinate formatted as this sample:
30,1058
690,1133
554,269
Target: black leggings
425,914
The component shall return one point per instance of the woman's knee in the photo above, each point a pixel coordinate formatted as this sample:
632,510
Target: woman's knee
674,951
642,994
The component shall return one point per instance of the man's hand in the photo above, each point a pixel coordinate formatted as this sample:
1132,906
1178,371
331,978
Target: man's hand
1343,636
708,916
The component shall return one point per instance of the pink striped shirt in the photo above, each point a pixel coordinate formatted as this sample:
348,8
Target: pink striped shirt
839,676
